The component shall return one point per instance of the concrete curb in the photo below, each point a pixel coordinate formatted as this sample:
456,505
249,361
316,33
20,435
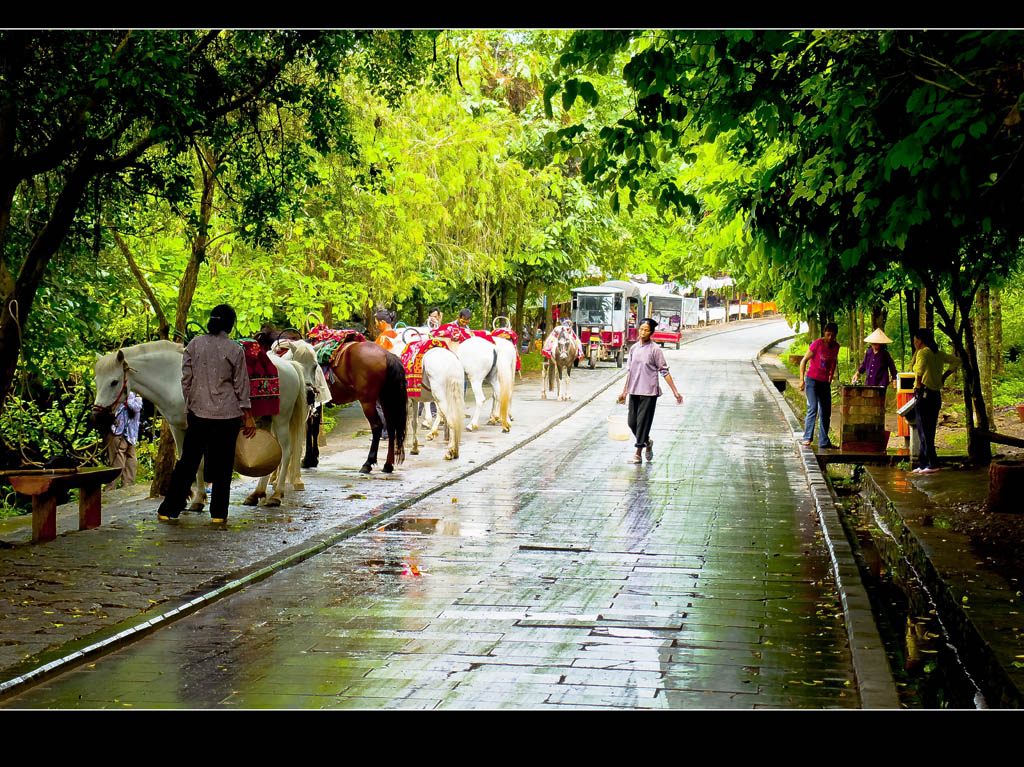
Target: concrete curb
106,640
870,662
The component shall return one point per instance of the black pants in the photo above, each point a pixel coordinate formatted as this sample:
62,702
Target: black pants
214,439
641,417
929,401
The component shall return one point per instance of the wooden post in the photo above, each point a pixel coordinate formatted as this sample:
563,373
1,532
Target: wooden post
44,517
89,506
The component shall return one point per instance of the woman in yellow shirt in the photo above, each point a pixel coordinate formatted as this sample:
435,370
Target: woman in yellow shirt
928,365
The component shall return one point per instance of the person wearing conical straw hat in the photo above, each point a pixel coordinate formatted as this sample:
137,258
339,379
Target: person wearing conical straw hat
878,367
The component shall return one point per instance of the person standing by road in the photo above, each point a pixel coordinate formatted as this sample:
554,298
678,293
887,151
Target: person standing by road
386,340
645,363
123,438
928,378
215,383
820,365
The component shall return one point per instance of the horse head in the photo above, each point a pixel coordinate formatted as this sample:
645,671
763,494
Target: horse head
565,347
303,353
111,372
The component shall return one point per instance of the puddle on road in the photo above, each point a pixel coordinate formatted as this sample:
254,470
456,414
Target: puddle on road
927,668
425,525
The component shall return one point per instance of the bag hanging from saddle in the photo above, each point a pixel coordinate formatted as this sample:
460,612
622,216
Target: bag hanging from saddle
264,383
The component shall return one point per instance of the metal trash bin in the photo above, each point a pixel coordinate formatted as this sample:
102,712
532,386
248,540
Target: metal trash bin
904,393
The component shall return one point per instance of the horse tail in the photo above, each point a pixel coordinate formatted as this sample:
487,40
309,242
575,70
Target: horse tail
456,395
297,426
394,404
506,380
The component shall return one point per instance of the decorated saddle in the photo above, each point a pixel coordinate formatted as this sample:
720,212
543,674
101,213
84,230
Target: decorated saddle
264,383
412,361
512,336
453,332
328,344
552,339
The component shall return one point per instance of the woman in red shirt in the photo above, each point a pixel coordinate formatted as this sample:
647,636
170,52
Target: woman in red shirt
820,365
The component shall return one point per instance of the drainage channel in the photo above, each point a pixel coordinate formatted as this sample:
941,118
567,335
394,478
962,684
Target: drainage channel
926,663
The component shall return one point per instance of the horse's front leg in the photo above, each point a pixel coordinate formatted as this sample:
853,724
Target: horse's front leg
199,489
544,380
259,493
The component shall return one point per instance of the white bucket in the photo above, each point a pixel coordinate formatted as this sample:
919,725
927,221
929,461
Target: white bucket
618,429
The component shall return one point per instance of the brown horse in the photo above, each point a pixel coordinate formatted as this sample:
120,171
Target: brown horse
366,372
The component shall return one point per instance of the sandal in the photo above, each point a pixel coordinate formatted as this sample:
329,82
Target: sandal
635,459
650,450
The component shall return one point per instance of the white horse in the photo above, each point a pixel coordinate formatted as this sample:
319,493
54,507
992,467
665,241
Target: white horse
318,393
443,381
563,355
494,365
154,371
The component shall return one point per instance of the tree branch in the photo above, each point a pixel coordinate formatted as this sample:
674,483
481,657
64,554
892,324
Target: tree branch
164,325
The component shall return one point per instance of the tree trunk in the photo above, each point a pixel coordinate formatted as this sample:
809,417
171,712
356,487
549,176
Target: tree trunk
979,450
19,295
813,328
922,309
485,302
997,332
518,321
371,326
879,316
163,465
983,349
328,314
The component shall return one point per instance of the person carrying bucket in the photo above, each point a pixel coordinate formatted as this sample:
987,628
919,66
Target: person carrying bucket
645,363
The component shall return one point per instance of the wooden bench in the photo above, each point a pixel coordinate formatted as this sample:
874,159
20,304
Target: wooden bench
44,484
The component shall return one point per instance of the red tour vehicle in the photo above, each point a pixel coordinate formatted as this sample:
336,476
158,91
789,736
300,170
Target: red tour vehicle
605,318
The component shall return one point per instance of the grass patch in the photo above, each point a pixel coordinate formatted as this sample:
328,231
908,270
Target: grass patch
531,361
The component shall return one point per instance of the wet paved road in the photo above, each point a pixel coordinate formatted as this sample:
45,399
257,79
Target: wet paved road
559,576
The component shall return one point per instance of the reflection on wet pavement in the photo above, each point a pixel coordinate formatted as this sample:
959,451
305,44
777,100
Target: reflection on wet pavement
559,576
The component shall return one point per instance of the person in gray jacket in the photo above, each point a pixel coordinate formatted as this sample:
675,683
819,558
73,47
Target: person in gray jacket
215,383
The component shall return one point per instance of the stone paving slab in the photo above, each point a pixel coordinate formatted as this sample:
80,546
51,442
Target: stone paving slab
253,662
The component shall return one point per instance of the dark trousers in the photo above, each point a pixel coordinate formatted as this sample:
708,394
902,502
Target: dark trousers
214,439
926,417
641,417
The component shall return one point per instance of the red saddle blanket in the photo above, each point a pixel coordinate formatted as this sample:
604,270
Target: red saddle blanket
322,333
511,336
452,331
412,361
264,383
